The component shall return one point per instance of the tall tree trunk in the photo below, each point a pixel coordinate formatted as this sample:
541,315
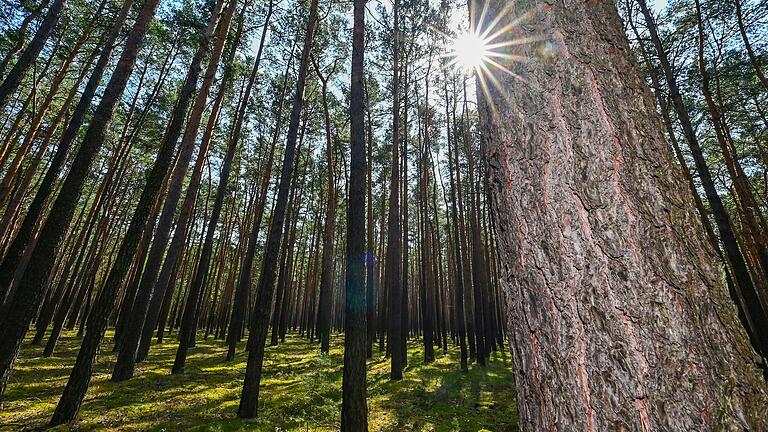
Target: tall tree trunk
461,240
354,410
249,399
371,263
458,269
244,281
427,276
594,228
394,252
329,229
478,286
406,289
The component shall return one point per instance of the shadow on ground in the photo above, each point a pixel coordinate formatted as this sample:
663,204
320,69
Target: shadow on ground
301,391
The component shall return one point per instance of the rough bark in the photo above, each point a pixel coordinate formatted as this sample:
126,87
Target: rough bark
740,271
600,263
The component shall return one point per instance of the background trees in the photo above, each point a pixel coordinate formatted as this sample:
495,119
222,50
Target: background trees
252,239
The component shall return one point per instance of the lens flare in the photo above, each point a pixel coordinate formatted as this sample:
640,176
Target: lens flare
470,51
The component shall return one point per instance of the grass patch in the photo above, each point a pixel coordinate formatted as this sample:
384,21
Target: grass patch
300,391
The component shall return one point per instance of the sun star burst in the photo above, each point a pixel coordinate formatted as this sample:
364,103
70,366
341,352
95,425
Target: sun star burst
470,51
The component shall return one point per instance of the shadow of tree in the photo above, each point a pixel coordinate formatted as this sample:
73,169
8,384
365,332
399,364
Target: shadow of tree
301,391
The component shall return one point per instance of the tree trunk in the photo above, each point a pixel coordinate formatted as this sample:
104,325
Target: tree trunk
394,253
594,229
427,288
458,269
249,399
741,274
354,411
244,281
326,271
371,266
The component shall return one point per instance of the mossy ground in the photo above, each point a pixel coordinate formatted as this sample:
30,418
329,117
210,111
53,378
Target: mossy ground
300,391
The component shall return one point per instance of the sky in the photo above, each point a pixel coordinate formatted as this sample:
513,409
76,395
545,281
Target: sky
659,4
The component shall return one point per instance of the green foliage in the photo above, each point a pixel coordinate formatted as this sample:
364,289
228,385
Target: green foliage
300,391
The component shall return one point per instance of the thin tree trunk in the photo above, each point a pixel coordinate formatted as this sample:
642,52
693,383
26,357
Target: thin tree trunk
244,282
394,235
329,229
458,269
250,396
354,410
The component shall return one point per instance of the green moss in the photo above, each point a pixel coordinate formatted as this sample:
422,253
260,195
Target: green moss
301,391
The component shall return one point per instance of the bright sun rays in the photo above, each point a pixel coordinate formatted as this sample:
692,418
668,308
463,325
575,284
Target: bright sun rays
469,52
483,50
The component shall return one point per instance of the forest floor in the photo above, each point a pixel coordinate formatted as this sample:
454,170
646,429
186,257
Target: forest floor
300,391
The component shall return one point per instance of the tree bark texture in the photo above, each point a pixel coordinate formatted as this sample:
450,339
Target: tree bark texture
618,316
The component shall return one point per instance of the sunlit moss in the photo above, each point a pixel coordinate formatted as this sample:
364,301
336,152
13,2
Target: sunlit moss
301,391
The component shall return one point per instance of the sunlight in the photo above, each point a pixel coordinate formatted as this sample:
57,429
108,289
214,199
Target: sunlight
486,50
470,51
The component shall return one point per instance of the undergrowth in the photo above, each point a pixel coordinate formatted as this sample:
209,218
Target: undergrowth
300,391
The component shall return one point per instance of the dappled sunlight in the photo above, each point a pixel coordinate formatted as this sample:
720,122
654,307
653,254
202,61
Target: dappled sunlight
301,391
